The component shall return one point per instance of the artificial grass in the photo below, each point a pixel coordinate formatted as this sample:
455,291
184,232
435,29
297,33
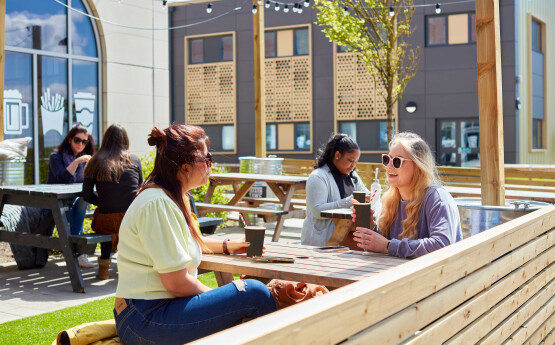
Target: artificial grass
43,328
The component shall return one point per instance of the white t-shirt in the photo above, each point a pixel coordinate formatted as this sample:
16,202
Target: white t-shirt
153,238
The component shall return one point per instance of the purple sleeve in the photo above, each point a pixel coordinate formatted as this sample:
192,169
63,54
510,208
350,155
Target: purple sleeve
443,229
58,169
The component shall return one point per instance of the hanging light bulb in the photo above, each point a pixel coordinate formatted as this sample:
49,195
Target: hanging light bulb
285,8
306,3
391,11
438,8
300,9
260,2
267,4
254,9
295,8
209,8
346,10
165,4
277,7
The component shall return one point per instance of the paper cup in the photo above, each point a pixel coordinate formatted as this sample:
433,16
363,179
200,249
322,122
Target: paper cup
359,196
362,212
255,236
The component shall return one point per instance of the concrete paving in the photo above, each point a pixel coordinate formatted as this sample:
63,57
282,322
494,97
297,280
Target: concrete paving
36,291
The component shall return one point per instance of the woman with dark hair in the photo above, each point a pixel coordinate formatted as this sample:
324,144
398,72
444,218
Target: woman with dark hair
66,165
330,186
159,299
118,176
418,215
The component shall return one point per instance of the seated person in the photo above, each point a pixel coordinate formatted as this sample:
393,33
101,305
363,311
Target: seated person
418,215
330,186
159,299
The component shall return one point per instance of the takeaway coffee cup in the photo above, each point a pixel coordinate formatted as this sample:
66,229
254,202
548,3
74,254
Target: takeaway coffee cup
255,235
359,196
362,212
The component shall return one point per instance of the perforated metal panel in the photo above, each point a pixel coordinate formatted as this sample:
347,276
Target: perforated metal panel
210,91
288,89
357,93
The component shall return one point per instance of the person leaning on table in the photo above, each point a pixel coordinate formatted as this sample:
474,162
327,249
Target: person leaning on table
159,299
418,215
330,186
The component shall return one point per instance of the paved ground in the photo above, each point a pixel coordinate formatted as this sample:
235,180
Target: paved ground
36,291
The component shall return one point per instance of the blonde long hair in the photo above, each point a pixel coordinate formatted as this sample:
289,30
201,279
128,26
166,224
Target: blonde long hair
425,175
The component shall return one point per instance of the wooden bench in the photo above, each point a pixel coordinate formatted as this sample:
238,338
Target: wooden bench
257,201
205,208
497,287
86,243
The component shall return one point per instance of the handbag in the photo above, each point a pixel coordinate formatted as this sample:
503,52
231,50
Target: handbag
287,293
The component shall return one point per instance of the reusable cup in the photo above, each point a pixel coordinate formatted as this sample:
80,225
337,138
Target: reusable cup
255,235
359,196
362,212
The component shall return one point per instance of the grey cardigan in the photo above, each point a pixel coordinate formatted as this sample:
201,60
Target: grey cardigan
322,194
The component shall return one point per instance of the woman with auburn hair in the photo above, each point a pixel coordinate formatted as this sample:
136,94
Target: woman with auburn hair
117,175
418,215
159,299
66,165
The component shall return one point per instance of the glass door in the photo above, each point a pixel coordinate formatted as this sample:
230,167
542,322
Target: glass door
458,142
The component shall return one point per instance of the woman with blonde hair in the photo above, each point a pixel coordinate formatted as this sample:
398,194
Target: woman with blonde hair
418,215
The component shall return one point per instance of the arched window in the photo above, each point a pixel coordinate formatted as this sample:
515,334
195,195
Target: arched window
51,78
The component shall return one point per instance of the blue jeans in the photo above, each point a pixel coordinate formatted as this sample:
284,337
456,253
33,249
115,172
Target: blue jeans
76,216
181,320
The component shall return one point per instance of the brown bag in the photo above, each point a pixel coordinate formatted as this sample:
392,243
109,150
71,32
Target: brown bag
287,292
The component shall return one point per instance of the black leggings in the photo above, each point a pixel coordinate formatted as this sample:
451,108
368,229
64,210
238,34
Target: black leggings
105,250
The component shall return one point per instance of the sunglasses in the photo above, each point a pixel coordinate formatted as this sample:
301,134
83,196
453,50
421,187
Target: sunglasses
79,141
396,161
207,159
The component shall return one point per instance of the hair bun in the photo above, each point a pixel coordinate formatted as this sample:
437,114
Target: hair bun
157,137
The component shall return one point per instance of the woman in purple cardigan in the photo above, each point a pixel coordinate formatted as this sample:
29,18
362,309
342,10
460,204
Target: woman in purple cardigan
418,215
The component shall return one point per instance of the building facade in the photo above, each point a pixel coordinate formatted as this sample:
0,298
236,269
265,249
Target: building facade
63,67
315,88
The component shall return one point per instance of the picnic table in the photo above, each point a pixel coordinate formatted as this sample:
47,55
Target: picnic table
54,197
458,191
344,226
283,187
330,269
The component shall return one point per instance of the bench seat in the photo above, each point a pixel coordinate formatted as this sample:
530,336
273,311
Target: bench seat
205,207
86,243
258,201
208,225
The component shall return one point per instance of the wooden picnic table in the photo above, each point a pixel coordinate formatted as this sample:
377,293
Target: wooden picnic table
549,197
344,226
54,197
330,269
283,187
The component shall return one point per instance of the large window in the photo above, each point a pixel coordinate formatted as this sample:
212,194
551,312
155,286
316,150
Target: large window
51,77
450,29
211,49
458,142
371,135
288,136
288,42
538,85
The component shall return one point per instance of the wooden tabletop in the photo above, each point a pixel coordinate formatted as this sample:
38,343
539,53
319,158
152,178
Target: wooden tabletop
338,213
59,191
329,269
239,177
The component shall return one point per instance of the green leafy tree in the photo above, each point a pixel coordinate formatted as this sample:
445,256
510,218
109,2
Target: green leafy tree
378,31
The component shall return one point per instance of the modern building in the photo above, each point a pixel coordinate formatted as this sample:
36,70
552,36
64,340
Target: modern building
94,62
315,88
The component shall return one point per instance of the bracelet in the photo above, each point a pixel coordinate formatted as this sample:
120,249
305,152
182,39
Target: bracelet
226,252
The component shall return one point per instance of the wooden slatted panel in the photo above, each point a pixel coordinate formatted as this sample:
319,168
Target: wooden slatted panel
462,268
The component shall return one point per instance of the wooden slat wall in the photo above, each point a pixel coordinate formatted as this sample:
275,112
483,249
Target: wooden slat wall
496,287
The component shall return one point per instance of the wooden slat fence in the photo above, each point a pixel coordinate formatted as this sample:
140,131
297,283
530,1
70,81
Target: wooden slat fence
496,287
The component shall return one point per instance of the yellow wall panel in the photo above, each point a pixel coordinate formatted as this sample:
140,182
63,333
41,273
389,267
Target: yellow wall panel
458,28
286,136
285,43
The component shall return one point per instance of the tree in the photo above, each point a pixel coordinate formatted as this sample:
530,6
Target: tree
378,30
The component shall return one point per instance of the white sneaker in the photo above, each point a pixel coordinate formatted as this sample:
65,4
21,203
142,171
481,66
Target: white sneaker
84,262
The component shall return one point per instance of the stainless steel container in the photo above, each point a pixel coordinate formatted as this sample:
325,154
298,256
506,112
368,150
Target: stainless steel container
255,165
476,217
12,172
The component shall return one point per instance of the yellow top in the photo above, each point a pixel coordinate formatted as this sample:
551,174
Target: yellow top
153,238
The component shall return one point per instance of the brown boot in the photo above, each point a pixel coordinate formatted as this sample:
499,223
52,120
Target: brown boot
103,269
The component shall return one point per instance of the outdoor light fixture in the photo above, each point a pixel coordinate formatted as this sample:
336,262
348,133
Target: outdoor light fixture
165,4
267,4
286,9
209,8
295,7
277,7
346,10
518,104
410,107
438,8
391,11
300,9
254,9
259,2
306,3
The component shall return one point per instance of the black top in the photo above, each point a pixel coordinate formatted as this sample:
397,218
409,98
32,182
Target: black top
115,197
344,182
57,169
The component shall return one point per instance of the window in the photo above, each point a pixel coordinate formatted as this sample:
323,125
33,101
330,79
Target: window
289,42
222,137
211,49
458,142
38,30
371,135
288,136
450,29
538,86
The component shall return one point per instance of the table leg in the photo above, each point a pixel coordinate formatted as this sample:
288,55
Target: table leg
223,278
59,214
342,228
285,198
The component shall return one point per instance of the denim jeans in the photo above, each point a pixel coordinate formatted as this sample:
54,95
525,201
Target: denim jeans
181,320
76,216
